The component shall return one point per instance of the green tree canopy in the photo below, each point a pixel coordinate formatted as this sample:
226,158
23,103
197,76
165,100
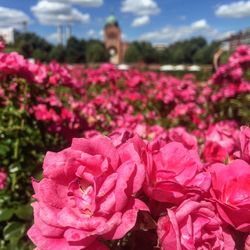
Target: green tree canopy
75,50
95,52
58,53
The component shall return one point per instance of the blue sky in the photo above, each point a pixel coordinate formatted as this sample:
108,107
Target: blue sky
159,21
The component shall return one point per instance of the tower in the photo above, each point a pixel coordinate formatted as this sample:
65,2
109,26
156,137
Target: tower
68,32
60,34
112,39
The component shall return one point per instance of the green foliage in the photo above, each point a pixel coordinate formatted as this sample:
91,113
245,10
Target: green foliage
58,53
205,54
22,148
75,50
194,50
132,54
96,52
31,45
184,51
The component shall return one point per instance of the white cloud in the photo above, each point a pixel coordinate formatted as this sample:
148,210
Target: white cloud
140,7
95,34
54,13
236,9
101,33
12,17
224,35
124,36
86,3
170,34
52,38
92,33
140,21
200,24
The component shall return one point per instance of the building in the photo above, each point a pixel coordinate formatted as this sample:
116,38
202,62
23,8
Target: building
232,42
113,40
8,34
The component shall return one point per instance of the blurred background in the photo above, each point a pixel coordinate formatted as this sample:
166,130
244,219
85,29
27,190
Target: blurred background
143,32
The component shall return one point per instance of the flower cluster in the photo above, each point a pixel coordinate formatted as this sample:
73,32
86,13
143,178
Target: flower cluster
173,173
103,190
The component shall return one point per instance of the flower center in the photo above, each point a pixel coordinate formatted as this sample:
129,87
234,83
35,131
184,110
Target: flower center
82,195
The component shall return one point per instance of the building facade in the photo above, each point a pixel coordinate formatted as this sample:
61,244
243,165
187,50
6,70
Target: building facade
232,42
8,35
113,40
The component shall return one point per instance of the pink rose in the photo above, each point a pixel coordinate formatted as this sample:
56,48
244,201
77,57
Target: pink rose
3,179
245,143
174,173
88,192
214,152
180,134
193,225
221,141
231,191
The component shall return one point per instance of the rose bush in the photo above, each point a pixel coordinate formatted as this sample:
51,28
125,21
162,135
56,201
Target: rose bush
185,127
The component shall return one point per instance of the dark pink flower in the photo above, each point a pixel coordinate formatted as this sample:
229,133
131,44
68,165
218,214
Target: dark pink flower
3,179
231,191
179,134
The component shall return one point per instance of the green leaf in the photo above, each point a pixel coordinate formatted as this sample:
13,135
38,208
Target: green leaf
5,214
24,212
13,231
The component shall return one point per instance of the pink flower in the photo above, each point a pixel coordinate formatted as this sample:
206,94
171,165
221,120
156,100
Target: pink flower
3,179
231,191
42,113
179,134
221,141
214,152
88,191
193,225
245,143
39,71
174,173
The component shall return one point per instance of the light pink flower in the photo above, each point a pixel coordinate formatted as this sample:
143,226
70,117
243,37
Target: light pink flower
193,225
174,173
88,191
245,143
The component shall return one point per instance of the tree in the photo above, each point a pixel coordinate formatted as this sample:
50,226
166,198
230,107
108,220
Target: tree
148,53
205,54
96,52
58,53
75,50
132,54
29,43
